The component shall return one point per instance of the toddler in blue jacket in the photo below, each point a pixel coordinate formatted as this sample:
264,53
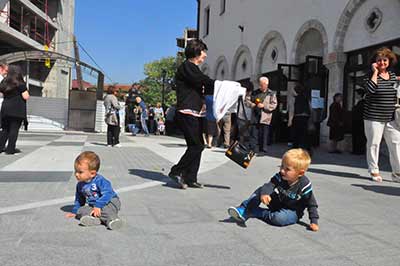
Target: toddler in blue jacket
286,195
95,200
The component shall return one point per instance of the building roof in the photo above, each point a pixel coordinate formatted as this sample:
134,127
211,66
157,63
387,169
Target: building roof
75,84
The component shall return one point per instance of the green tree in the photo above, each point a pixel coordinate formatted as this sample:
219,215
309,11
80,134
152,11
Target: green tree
153,83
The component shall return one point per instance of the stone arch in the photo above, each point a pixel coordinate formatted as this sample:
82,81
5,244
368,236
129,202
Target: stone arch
312,24
221,62
344,22
243,50
268,38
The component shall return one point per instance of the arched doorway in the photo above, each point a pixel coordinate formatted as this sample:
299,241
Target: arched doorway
310,48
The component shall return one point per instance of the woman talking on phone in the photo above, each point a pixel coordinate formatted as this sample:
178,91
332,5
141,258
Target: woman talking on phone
380,101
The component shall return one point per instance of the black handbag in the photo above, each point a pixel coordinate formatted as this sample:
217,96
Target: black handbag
237,152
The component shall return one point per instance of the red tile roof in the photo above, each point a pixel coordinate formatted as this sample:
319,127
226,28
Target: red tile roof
75,84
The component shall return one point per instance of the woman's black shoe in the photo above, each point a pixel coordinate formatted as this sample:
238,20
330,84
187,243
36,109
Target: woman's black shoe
179,180
195,185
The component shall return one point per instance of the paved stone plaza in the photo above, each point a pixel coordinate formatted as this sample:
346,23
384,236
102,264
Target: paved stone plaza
359,222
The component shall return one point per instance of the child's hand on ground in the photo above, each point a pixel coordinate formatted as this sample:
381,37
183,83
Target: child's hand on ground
314,227
266,199
96,212
70,215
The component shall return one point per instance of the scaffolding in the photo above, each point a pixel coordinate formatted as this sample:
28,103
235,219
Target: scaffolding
22,19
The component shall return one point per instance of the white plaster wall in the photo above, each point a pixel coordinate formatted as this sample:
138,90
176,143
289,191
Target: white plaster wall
260,17
357,35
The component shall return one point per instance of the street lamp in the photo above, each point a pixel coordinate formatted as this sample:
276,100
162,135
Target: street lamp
163,74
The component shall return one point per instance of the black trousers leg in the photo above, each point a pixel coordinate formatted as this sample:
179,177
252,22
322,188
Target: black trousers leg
14,126
263,137
109,135
4,133
189,163
116,130
300,132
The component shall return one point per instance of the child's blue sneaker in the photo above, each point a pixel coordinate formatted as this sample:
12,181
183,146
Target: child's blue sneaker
237,213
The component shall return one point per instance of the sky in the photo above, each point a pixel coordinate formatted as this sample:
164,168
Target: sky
123,35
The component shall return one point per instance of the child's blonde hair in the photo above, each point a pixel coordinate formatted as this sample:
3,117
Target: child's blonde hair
299,159
89,157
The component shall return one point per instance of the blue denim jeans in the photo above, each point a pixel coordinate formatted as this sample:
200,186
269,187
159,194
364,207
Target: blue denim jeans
133,129
144,124
280,217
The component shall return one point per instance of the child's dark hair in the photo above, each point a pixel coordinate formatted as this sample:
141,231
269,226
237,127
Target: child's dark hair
194,48
91,158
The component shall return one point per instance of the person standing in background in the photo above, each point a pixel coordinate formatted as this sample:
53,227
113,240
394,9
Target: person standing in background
263,103
13,110
112,107
158,115
336,122
143,115
357,126
3,74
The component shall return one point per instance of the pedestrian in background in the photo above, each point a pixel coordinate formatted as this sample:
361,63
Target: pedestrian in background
301,118
264,102
210,122
336,122
13,109
112,107
359,140
3,74
143,115
380,101
158,115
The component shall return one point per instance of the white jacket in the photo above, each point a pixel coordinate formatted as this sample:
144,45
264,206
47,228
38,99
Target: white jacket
226,94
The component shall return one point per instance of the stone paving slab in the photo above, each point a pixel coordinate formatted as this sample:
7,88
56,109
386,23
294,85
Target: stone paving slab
168,226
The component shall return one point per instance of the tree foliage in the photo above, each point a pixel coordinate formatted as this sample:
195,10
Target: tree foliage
152,85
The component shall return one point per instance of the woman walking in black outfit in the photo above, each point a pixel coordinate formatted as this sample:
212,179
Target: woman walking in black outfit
300,120
13,110
191,86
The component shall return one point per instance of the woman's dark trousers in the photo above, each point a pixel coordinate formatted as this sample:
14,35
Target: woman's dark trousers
11,126
113,135
188,165
300,139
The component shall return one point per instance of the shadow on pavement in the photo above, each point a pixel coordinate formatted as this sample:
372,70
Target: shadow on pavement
99,144
321,156
67,208
216,186
391,191
152,175
230,220
157,176
336,173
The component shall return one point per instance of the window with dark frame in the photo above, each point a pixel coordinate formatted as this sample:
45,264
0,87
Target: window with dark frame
206,21
223,5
